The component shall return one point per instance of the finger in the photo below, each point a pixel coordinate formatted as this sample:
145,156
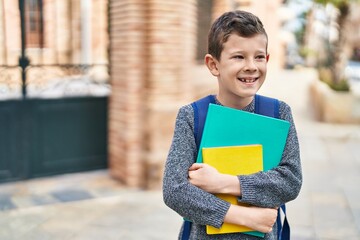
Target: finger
195,166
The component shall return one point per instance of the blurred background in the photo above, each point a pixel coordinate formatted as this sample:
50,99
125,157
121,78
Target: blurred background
93,87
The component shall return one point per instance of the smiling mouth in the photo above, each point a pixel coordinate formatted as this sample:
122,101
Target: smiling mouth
247,80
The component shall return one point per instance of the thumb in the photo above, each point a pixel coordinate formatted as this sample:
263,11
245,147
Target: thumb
195,166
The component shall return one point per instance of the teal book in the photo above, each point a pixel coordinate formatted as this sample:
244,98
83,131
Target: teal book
226,127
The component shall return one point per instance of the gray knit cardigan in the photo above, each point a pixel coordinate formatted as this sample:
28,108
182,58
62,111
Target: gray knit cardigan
264,189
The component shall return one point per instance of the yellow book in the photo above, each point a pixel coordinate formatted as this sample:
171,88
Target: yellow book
234,160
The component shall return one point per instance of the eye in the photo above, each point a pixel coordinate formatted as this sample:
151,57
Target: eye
260,57
238,57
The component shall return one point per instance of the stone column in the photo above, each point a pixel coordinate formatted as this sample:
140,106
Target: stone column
75,32
12,26
3,43
99,31
86,28
100,40
63,31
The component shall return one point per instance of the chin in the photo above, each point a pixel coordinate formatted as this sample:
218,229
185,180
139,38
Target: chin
248,94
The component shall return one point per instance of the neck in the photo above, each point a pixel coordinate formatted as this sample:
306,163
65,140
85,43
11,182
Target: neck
237,103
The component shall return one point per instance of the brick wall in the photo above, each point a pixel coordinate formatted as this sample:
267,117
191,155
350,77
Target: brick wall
151,47
127,70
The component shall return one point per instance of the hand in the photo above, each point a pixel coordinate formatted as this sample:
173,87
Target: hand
205,177
259,219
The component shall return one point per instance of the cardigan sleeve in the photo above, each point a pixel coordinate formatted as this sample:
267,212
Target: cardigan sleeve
281,184
179,194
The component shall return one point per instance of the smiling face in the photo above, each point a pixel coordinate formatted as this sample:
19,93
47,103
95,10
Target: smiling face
241,69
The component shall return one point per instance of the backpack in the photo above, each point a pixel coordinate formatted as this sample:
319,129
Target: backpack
263,105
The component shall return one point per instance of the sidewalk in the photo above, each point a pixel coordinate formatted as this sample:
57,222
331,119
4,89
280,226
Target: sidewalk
86,206
328,207
91,205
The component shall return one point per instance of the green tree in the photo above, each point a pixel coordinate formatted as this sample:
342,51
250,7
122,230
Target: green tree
336,52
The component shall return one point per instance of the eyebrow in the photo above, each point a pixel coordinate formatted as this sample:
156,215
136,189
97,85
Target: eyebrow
244,51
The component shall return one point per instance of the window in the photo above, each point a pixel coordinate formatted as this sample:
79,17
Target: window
34,23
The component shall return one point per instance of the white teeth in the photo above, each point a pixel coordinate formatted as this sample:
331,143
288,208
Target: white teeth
247,80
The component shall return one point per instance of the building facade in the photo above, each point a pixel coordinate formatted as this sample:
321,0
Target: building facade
152,52
60,34
58,31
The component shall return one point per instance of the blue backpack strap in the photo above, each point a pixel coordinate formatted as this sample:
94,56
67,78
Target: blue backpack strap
200,111
186,230
201,107
283,229
267,106
270,107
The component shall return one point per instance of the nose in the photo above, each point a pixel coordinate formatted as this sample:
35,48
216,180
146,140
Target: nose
250,65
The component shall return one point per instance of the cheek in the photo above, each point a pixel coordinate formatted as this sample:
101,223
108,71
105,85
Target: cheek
226,71
233,68
262,66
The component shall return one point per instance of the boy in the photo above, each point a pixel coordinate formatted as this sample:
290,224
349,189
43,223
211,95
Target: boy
237,56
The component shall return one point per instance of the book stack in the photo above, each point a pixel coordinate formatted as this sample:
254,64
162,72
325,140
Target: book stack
236,142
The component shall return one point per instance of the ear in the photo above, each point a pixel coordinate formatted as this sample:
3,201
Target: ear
267,57
211,64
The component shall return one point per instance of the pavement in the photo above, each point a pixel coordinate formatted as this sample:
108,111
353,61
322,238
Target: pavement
86,206
92,205
328,207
